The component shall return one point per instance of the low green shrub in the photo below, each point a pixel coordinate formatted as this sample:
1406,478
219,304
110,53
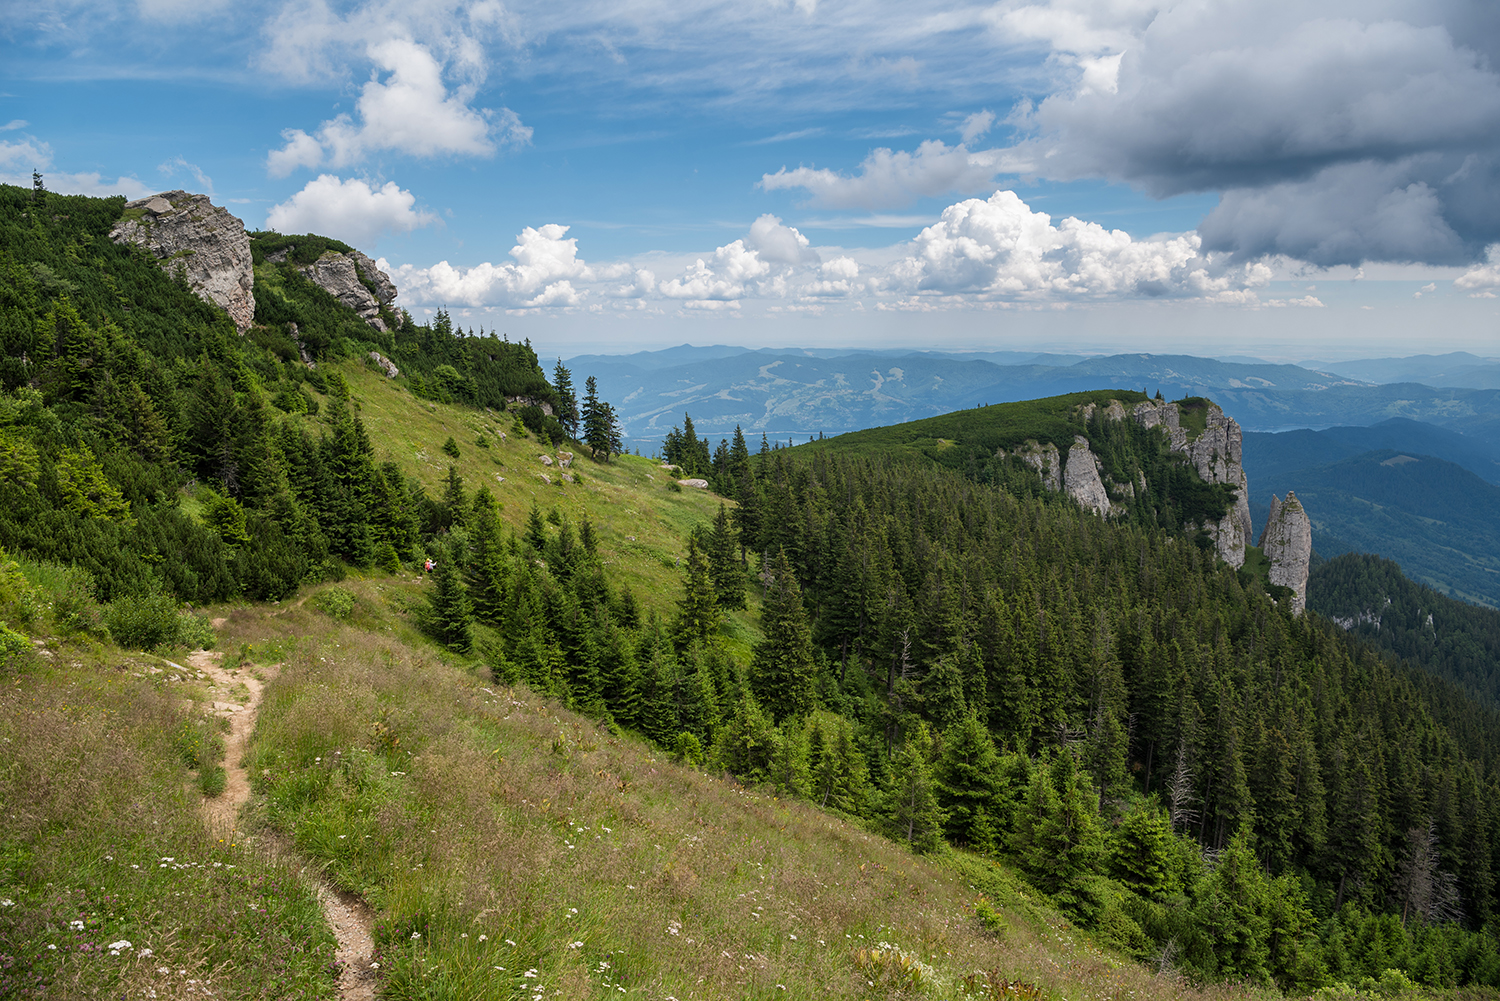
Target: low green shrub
335,602
143,622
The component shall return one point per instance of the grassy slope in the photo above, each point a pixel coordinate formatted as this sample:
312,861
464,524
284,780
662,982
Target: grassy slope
1003,425
642,525
461,809
101,842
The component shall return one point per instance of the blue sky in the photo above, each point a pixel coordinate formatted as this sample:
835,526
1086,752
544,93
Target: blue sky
1289,179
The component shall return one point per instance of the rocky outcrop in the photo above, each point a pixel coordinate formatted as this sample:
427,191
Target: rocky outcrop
340,276
386,365
1045,459
189,235
1081,478
1216,453
527,401
1287,542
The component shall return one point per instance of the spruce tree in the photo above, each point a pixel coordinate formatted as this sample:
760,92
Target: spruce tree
600,430
966,782
449,611
724,564
697,610
567,400
913,813
781,667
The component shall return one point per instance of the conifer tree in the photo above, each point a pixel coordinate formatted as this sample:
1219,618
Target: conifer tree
746,742
781,667
601,432
449,610
911,806
723,563
455,505
698,613
837,771
966,783
567,400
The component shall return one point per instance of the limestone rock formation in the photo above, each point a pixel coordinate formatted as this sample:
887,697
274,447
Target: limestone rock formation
386,365
527,401
1081,478
187,233
1045,459
1287,543
339,275
1216,454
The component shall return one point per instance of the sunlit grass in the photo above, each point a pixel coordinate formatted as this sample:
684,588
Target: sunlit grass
508,844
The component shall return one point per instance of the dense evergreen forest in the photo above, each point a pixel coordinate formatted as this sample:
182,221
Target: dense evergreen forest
1373,599
947,651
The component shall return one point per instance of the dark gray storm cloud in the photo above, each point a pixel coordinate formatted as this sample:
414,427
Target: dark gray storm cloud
1335,132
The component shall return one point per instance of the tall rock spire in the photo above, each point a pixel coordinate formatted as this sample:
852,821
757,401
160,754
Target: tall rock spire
1287,542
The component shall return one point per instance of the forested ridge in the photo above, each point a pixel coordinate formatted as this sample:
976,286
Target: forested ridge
1373,599
946,651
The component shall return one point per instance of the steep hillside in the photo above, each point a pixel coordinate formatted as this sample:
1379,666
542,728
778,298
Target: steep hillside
1372,598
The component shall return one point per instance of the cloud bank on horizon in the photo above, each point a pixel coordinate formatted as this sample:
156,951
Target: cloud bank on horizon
1331,134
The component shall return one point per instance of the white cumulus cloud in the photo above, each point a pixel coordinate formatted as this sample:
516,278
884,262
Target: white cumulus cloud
719,281
546,266
411,111
349,210
998,247
1482,275
776,243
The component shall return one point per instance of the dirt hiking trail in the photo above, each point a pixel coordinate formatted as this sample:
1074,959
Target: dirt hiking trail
237,697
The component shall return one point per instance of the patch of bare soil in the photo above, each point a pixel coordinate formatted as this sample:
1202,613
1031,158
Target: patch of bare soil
237,697
352,922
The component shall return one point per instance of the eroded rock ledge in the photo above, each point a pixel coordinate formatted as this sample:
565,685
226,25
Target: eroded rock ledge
190,235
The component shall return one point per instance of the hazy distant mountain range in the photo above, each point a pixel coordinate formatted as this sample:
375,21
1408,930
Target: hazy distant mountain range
800,393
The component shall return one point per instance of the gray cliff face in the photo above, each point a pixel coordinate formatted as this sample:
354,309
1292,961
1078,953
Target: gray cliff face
1216,454
1046,460
1081,478
339,276
208,245
1287,543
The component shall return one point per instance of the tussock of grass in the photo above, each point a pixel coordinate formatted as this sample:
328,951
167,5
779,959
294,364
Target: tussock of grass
508,844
